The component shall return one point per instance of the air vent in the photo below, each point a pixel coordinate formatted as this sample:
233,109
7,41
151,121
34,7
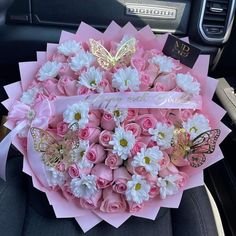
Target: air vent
216,17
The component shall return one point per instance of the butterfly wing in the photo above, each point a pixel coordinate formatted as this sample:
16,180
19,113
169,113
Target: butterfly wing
104,58
48,145
203,144
125,52
196,159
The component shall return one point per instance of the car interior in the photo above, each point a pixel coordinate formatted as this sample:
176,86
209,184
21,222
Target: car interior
27,25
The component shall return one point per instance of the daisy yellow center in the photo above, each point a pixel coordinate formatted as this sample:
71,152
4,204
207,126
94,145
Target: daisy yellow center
77,116
137,186
116,113
82,153
161,135
123,142
147,160
126,82
193,129
93,82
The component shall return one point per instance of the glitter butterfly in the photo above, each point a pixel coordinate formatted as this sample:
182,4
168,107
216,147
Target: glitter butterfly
54,151
194,151
108,61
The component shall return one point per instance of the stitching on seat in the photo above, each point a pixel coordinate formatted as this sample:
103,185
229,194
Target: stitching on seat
202,224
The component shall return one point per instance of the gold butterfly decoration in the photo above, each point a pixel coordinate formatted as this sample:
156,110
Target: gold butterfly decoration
194,151
108,61
53,151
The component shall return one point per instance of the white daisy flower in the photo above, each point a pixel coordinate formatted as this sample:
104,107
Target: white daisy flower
196,125
77,114
123,142
118,115
69,47
29,96
167,185
91,78
187,83
84,187
162,134
165,63
78,155
55,177
81,59
137,189
49,69
148,159
126,78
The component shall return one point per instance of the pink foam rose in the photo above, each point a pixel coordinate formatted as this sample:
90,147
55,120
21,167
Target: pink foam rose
144,139
81,90
140,170
132,114
173,116
154,190
167,82
137,147
61,167
105,137
112,202
185,114
159,114
146,122
73,171
50,85
85,171
107,121
145,82
182,179
96,153
143,111
158,87
169,170
59,57
106,86
128,166
121,176
62,128
89,133
113,160
67,193
135,207
134,128
104,175
94,118
151,144
138,62
152,71
67,85
92,203
164,162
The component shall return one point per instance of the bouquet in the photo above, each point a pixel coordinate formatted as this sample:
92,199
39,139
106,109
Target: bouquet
110,126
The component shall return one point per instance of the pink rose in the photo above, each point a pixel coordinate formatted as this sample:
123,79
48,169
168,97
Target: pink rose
96,153
185,114
137,147
135,207
59,57
154,190
132,114
138,62
67,85
104,175
128,166
169,170
107,121
121,177
112,202
92,203
182,179
113,160
164,162
152,71
67,193
81,90
50,85
73,171
61,167
167,82
145,82
146,122
134,128
62,128
106,86
159,114
89,133
105,137
140,170
158,87
94,118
